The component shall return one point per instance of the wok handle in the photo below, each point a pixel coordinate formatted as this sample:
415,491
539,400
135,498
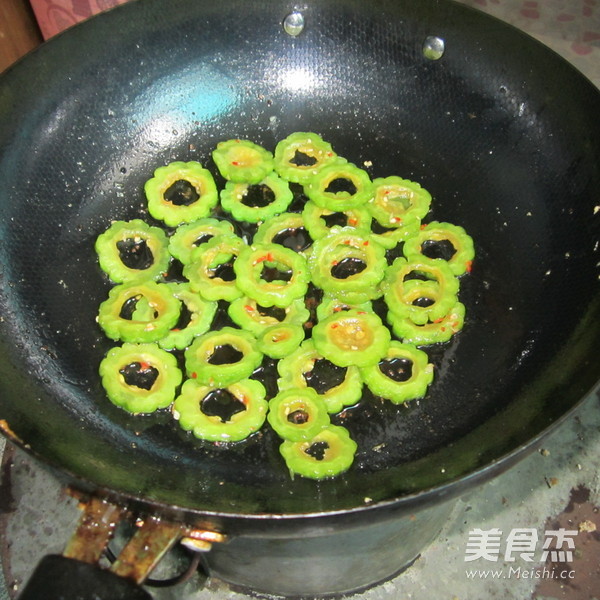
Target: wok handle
60,578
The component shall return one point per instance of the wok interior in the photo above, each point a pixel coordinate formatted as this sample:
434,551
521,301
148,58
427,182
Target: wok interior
506,151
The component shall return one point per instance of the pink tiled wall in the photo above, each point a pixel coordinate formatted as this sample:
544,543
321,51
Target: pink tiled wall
55,15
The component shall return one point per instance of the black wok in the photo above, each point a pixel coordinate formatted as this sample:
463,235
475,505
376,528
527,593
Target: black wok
502,132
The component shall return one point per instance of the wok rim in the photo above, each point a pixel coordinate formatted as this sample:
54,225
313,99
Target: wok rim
435,493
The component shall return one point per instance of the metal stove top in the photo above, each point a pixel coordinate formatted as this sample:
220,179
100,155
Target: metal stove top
556,487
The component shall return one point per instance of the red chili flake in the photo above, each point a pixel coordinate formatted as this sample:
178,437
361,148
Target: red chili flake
366,243
334,325
334,263
248,308
235,163
442,329
438,320
144,366
267,257
469,265
423,226
194,375
176,329
361,312
338,309
347,242
396,220
352,221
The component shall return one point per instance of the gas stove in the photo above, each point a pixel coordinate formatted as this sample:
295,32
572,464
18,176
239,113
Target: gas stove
557,487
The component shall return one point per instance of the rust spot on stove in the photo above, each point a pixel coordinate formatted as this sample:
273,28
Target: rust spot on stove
579,577
5,427
578,495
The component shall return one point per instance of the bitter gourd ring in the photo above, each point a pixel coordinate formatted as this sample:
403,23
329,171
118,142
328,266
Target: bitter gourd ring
250,269
280,227
435,232
273,192
242,161
355,186
199,313
294,368
222,356
396,202
342,245
133,249
328,454
248,314
420,301
140,378
352,337
434,332
297,414
280,340
315,219
210,272
249,393
330,305
191,235
181,192
395,385
301,155
397,281
139,312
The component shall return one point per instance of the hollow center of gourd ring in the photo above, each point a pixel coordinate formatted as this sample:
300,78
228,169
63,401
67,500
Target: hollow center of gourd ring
185,317
205,237
347,267
181,193
317,450
221,403
351,334
324,376
301,159
298,417
341,185
273,312
223,271
137,308
225,354
272,273
423,302
258,195
443,249
335,218
135,253
295,238
397,369
141,375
